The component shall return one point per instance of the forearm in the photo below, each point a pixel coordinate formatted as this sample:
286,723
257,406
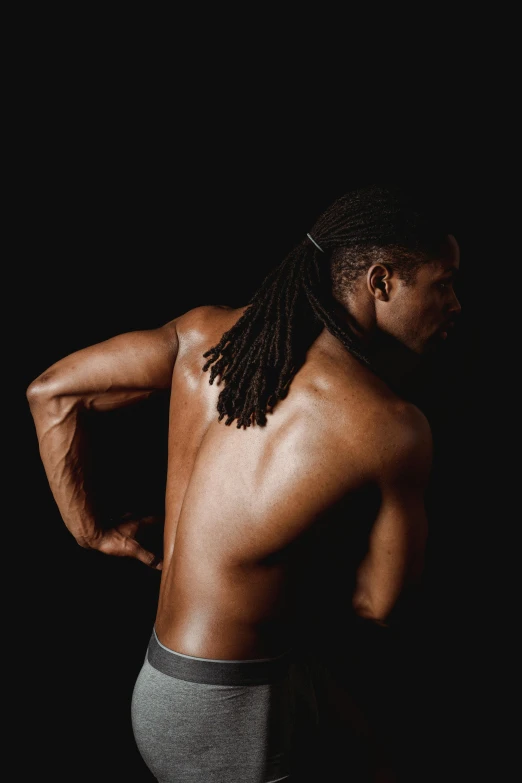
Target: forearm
62,440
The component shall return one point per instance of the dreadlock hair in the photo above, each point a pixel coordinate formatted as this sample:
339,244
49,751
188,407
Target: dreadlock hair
258,357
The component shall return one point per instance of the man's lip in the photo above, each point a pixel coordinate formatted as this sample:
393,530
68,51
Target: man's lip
446,328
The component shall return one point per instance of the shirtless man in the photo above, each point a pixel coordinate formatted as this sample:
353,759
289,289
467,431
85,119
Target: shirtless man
287,420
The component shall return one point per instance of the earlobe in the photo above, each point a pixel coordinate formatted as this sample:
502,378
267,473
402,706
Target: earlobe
381,286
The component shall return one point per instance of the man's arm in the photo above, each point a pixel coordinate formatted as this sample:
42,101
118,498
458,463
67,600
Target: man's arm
393,566
117,372
386,644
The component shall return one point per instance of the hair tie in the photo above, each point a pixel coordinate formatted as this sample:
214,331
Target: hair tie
315,243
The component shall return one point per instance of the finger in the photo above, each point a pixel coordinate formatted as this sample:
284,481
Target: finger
156,562
149,558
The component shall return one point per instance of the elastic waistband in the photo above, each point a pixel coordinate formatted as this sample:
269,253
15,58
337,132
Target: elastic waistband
216,672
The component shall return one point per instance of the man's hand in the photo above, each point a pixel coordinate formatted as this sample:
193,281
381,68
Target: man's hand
127,539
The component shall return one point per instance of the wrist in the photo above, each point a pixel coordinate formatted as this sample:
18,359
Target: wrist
89,540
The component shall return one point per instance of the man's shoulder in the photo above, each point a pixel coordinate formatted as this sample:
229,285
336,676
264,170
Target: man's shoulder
380,411
205,317
206,322
405,439
386,432
401,422
408,418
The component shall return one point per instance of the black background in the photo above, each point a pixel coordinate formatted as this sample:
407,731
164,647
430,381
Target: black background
132,205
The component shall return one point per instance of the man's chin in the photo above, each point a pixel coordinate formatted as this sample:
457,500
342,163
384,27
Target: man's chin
434,343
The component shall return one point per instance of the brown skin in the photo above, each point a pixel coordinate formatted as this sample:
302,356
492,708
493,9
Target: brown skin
238,500
419,315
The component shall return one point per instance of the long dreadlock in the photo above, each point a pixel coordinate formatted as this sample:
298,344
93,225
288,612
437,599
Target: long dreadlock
258,357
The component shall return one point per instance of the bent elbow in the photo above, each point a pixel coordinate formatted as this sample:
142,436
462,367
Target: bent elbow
45,386
40,391
363,608
45,394
33,392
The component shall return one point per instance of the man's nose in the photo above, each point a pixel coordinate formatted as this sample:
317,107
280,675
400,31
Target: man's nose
455,306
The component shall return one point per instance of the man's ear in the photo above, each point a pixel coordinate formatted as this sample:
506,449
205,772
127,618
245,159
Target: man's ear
378,281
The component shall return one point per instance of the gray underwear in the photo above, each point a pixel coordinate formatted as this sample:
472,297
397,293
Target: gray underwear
197,720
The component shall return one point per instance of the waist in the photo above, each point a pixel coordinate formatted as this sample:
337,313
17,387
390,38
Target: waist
212,671
222,624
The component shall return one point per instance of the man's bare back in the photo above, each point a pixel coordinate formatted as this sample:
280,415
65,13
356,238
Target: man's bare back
238,501
306,512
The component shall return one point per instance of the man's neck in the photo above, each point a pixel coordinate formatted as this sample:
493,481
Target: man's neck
392,360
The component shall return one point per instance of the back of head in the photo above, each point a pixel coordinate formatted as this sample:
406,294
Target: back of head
257,359
383,215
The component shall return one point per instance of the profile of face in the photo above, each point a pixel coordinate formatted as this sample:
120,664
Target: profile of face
422,313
